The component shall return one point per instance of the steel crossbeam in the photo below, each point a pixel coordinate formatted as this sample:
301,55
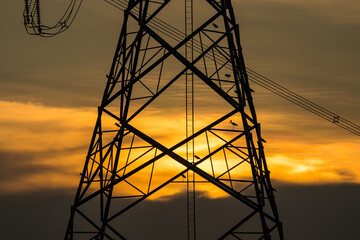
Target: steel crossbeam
109,162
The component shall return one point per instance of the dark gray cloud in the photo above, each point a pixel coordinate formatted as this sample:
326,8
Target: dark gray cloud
67,70
319,212
293,44
346,173
308,212
16,166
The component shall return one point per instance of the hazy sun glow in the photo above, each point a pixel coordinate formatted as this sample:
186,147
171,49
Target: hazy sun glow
55,140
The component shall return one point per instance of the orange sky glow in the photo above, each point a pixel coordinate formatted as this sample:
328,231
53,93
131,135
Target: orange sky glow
59,138
51,88
51,112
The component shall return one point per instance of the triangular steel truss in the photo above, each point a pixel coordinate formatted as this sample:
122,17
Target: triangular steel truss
123,158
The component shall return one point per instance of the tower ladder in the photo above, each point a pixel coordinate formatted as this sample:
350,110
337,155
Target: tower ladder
189,78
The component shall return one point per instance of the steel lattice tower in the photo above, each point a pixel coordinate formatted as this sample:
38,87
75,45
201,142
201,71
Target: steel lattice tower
124,156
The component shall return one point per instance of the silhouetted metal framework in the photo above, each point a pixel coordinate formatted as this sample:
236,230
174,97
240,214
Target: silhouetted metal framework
122,157
34,26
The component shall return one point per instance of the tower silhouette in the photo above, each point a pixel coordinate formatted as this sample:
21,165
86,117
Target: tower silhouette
127,155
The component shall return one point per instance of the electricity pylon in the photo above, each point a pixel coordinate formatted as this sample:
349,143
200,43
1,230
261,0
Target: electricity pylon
125,157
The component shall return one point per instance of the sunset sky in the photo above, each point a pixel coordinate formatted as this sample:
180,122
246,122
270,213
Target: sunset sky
50,90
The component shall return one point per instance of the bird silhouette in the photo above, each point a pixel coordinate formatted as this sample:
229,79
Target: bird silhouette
197,157
227,75
215,26
232,123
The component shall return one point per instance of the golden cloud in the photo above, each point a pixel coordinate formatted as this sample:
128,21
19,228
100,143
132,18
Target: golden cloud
58,138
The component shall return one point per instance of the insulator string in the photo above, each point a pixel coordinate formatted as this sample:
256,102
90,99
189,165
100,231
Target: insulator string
38,18
33,21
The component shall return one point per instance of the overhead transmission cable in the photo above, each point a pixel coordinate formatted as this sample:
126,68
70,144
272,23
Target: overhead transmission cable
32,21
254,76
34,26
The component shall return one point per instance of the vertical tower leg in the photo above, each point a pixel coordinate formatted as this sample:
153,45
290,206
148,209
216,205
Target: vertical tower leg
124,157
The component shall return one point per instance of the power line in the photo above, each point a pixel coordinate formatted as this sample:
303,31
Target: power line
34,26
254,76
32,19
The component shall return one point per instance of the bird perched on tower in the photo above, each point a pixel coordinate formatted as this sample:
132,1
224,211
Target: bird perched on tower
232,123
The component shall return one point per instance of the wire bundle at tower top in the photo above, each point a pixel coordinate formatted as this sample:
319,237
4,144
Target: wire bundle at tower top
254,76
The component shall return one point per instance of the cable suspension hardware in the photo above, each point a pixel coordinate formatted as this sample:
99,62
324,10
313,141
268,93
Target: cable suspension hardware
254,76
32,19
33,26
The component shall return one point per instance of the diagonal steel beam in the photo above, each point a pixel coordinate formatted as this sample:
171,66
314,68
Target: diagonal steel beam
197,170
175,177
116,181
195,70
168,54
177,76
